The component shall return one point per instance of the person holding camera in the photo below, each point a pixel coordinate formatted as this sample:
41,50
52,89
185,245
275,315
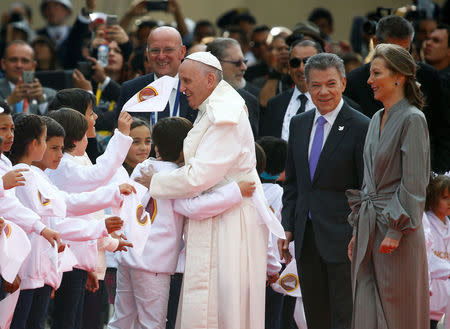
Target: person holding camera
20,89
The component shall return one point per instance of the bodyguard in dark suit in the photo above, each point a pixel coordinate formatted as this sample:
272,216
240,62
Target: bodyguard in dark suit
396,30
164,54
325,158
276,117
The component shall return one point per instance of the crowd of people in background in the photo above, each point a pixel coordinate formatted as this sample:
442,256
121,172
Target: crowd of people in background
96,64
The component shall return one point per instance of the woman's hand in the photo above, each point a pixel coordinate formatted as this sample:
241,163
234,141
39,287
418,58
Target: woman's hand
388,245
350,248
80,81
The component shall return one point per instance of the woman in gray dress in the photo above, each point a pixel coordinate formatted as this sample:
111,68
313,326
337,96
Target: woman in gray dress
387,250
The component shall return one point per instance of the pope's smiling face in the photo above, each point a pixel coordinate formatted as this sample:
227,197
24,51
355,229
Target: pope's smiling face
195,82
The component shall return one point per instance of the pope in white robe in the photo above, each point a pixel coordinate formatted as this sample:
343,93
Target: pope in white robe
226,256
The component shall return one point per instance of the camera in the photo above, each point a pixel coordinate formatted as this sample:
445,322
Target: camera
85,67
157,5
370,25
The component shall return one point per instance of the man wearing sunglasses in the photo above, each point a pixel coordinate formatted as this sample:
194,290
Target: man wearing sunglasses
231,58
281,108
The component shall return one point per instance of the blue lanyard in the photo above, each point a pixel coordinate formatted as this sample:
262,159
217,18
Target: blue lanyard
175,108
177,101
152,118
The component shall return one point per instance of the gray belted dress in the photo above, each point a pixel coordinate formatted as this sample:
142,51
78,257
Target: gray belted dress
390,291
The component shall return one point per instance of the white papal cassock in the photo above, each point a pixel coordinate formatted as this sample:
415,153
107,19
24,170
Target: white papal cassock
224,280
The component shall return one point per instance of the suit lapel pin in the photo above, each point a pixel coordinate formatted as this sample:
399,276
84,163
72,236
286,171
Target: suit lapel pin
340,128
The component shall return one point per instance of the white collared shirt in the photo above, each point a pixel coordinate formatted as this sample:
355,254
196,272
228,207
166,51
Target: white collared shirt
172,98
330,117
292,109
58,33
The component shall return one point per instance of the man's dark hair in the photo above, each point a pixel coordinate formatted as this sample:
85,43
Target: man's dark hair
73,98
241,32
261,28
394,27
276,151
74,123
305,43
245,17
445,27
54,129
319,13
168,135
6,108
203,23
219,46
148,23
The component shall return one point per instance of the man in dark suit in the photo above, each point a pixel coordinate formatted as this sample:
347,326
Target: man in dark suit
396,30
228,51
325,158
21,96
165,52
275,118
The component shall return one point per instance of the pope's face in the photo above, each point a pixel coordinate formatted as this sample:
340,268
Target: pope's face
194,83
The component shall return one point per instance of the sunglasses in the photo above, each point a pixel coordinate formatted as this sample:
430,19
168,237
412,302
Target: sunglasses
295,62
236,63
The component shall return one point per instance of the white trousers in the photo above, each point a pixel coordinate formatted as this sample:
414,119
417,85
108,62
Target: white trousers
141,299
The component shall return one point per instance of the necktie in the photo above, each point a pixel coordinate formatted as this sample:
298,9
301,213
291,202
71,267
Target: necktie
303,99
316,147
165,113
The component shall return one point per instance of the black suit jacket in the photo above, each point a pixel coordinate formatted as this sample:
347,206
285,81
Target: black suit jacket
340,167
272,117
253,110
358,90
131,87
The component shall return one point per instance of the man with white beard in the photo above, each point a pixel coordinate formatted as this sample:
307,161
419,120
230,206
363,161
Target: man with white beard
229,53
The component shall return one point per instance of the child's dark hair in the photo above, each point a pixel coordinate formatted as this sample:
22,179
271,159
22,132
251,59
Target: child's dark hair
435,189
5,107
54,129
137,122
168,135
27,128
74,124
74,98
260,159
276,152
